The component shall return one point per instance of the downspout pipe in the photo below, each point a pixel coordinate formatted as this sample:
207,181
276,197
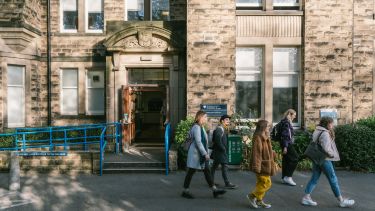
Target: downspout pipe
49,63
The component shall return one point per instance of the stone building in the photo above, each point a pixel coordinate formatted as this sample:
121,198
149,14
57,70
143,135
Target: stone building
81,61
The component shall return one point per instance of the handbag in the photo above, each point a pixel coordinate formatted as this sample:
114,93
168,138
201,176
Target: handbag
315,152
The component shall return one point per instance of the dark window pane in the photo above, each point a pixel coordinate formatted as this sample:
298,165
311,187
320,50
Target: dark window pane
96,20
248,98
160,10
135,16
70,20
284,99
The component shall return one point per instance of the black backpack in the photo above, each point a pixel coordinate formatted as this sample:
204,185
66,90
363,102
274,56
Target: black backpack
276,132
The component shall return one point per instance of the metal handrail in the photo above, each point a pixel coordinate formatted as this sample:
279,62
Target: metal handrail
102,147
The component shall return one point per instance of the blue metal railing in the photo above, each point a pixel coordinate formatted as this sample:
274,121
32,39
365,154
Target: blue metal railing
65,136
166,144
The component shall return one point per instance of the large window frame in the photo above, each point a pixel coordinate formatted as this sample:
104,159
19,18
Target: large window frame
252,71
64,89
248,3
148,10
287,72
96,10
295,3
14,86
95,82
70,9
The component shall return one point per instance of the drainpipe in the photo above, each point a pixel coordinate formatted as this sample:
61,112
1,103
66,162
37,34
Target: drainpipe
49,63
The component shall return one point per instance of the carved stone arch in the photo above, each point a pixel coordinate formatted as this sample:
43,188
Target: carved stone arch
143,38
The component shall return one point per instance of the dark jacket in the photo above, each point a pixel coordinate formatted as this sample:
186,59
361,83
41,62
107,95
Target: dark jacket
262,156
220,145
287,133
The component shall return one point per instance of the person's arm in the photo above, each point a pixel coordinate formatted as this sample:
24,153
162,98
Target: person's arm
256,160
325,142
198,140
285,137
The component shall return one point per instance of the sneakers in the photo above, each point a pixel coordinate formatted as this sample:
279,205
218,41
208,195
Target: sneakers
187,195
252,201
218,192
289,181
261,204
230,186
308,201
346,203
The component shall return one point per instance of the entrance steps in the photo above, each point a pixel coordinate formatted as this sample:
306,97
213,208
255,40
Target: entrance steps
140,158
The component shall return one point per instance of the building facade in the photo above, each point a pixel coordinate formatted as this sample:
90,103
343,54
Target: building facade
82,61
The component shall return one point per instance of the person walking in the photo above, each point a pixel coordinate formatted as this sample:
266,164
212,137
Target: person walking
198,157
289,154
220,150
325,136
262,164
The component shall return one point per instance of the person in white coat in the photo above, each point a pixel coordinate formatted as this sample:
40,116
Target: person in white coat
325,136
198,157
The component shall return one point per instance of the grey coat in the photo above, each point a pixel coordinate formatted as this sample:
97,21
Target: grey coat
220,145
327,143
193,158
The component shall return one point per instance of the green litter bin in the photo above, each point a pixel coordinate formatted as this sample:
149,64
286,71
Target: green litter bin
234,149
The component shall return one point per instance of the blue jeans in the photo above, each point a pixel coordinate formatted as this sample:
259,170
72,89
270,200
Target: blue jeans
329,171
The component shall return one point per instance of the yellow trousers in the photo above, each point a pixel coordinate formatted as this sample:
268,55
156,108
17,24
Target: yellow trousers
263,184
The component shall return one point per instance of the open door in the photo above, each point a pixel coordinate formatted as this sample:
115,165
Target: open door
128,102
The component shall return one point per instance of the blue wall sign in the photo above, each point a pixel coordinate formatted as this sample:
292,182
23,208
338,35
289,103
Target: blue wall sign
330,113
214,110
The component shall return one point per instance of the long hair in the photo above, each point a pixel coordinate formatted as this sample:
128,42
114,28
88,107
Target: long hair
261,127
324,122
198,116
289,111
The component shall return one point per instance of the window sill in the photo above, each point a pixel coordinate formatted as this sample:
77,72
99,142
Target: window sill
269,13
79,34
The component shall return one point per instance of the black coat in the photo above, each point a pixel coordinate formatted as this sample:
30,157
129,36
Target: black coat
220,145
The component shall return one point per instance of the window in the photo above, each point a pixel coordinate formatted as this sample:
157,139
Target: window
248,3
139,10
95,93
286,81
16,96
69,92
68,15
148,76
249,67
94,16
285,3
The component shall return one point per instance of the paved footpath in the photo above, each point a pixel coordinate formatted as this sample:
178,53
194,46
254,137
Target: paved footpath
159,192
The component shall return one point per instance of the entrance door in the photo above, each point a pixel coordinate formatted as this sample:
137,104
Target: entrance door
146,106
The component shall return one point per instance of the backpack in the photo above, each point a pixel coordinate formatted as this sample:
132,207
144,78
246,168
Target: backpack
276,132
188,141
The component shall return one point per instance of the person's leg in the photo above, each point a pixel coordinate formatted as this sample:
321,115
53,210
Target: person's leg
316,172
329,171
263,184
207,175
291,160
189,175
224,173
213,168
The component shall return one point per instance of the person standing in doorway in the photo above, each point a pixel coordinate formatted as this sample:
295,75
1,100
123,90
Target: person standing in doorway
289,155
198,157
220,150
325,136
262,164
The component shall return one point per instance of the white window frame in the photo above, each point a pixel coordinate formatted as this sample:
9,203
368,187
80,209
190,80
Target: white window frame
62,112
88,112
20,124
250,4
62,19
150,12
246,71
87,18
294,4
299,85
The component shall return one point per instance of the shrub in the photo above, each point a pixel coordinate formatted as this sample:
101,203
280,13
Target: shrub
356,146
181,133
368,122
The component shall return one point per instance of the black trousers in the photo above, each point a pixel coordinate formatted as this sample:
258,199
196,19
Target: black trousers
224,171
289,162
190,172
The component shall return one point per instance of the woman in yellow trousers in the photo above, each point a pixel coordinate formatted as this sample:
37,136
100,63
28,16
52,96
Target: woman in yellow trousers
262,164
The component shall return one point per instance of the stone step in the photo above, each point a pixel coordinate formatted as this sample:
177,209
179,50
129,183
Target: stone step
133,170
124,165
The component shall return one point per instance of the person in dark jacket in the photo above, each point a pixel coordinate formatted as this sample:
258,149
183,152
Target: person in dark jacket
220,150
290,156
